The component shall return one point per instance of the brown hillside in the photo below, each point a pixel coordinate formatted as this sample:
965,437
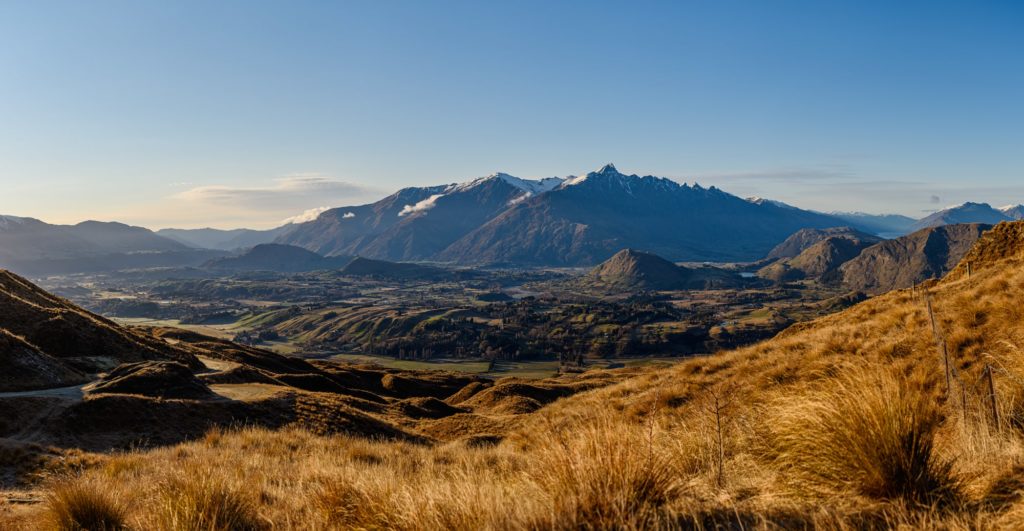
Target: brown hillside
1003,242
820,260
68,339
903,262
803,239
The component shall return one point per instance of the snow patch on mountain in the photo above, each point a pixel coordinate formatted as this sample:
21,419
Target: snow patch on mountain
528,187
765,201
607,169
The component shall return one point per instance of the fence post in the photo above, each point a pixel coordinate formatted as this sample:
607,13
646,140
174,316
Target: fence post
945,359
992,394
931,316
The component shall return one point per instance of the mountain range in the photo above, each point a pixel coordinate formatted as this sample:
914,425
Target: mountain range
583,220
500,219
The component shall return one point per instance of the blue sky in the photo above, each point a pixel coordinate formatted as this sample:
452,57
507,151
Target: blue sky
245,113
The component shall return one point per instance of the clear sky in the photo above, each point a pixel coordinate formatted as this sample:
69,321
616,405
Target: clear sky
216,113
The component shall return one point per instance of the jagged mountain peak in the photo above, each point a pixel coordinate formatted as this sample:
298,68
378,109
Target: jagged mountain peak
608,169
610,176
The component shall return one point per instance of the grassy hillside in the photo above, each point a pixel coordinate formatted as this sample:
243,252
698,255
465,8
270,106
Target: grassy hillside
857,420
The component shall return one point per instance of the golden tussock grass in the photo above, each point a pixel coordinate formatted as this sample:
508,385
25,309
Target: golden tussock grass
77,504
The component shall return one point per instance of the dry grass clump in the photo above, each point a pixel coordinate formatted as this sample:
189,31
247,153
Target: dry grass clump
871,432
202,499
77,504
606,475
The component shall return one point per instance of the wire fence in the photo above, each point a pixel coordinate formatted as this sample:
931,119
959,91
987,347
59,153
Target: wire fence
978,399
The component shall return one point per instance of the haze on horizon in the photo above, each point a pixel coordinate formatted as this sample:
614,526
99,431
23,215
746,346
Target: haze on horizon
192,114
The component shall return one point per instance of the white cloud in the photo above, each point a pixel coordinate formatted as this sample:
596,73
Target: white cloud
422,206
349,215
308,215
299,188
255,204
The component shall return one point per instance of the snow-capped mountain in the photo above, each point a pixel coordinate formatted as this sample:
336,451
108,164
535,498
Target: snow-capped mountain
1015,212
415,223
964,213
579,220
591,217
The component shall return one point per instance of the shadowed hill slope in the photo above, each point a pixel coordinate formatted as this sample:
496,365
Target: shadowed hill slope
76,339
24,367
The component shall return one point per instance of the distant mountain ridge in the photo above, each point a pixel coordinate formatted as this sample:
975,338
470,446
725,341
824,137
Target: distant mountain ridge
964,213
224,240
279,258
884,225
31,247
